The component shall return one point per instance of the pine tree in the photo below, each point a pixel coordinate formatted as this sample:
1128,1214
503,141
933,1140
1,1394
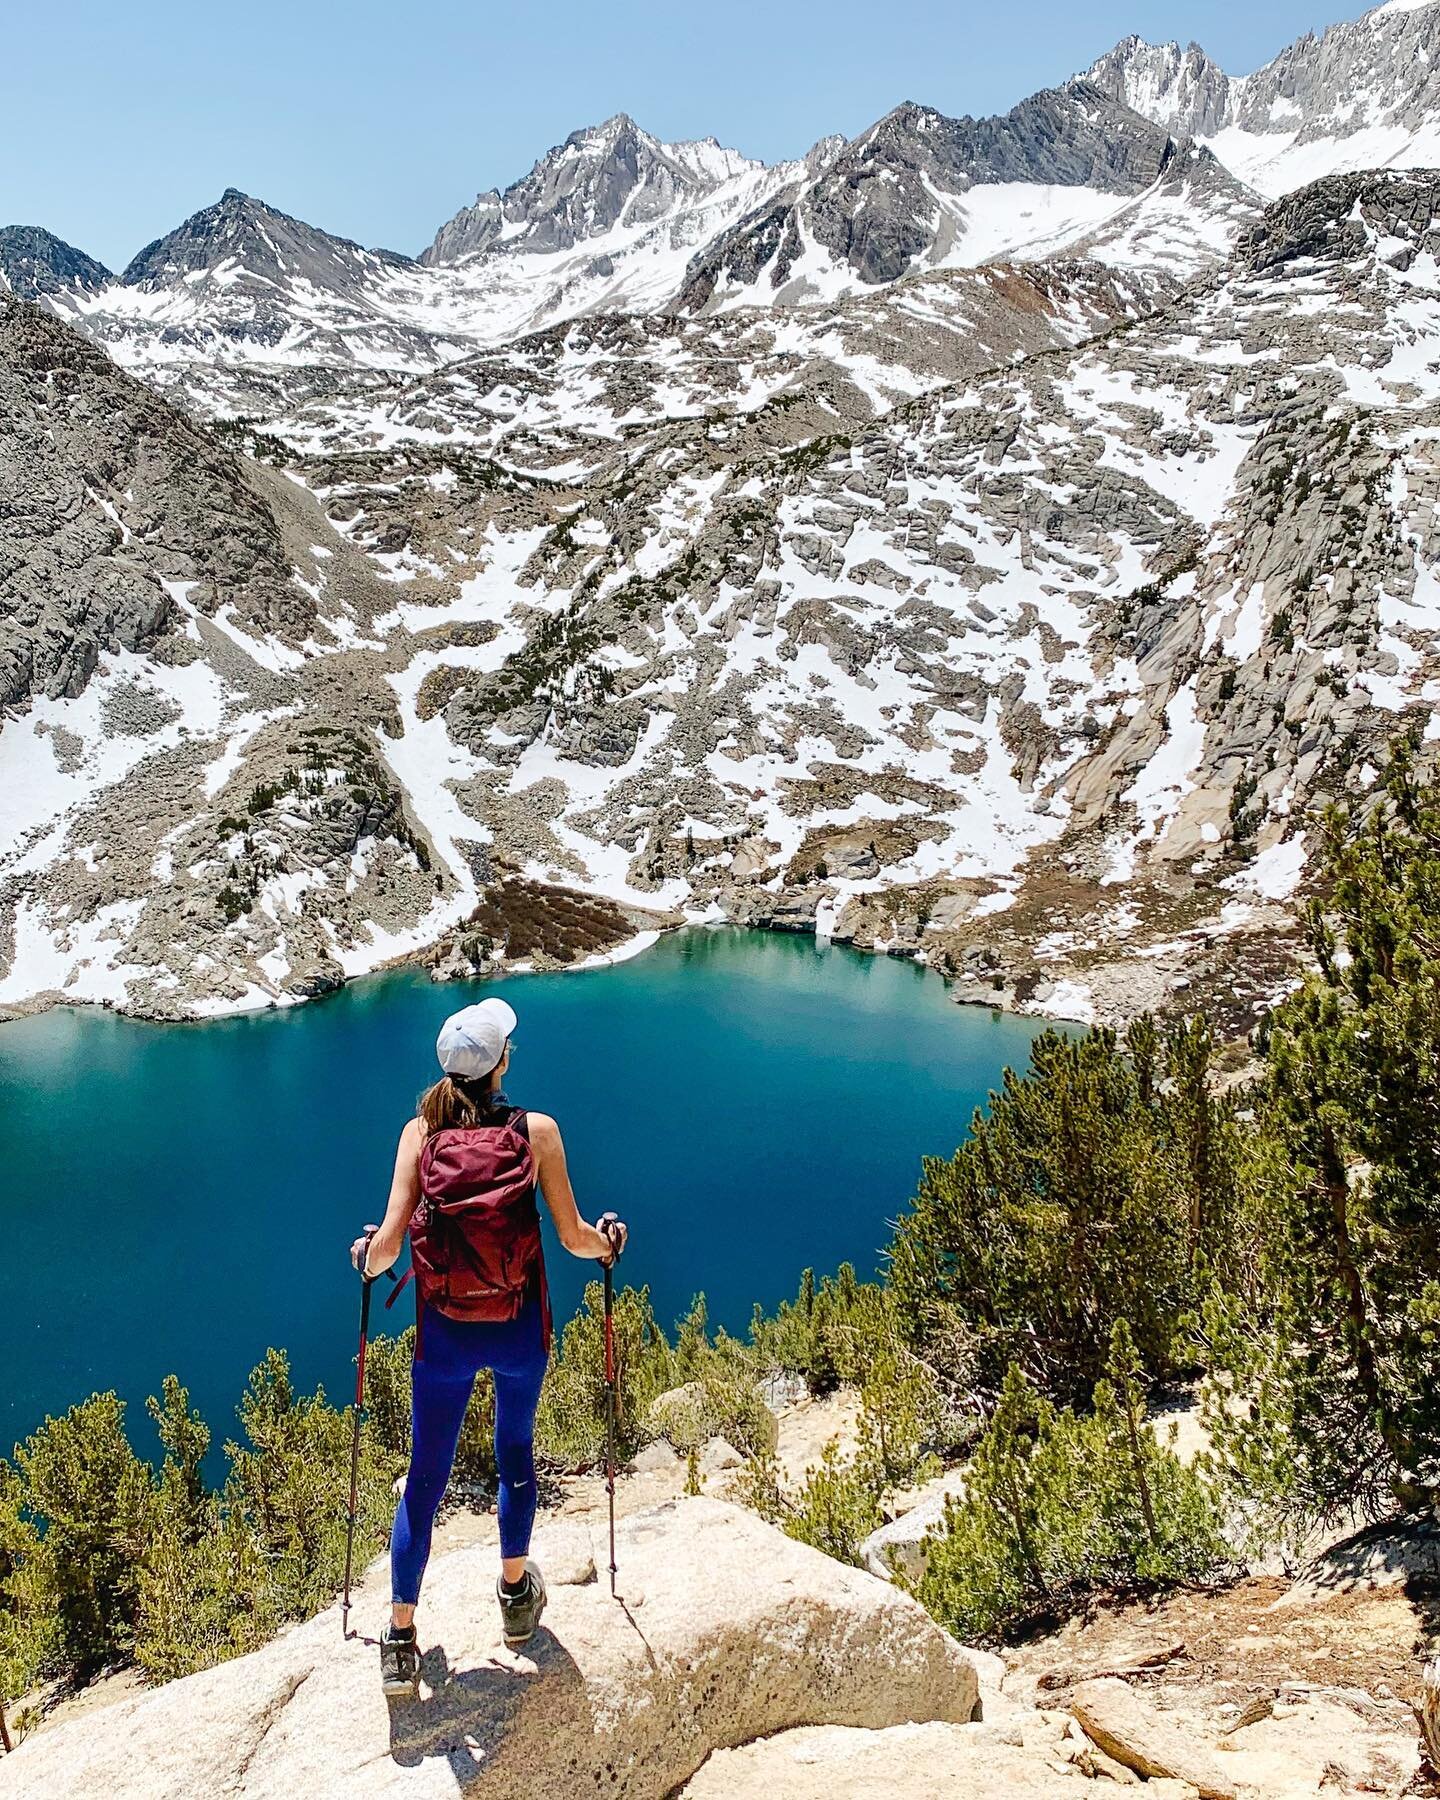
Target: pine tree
83,1483
1059,1215
836,1510
31,1644
1060,1505
1350,1232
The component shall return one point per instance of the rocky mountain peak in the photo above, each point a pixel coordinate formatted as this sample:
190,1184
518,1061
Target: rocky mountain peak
34,262
602,176
823,152
1183,90
870,207
1365,93
244,235
1067,136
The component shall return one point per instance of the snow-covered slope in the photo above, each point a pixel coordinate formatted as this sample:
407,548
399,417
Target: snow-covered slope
1185,224
986,539
242,289
1365,95
607,221
922,191
564,402
1036,673
176,629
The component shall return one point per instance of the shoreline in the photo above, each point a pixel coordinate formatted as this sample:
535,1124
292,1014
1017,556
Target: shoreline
51,1000
13,1012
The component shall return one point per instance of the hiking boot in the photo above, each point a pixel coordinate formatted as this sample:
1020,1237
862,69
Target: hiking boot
399,1665
520,1613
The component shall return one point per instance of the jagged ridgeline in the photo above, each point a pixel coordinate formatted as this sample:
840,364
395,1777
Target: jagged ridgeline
986,540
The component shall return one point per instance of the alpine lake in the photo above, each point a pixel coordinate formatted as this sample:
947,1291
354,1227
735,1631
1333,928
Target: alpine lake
176,1198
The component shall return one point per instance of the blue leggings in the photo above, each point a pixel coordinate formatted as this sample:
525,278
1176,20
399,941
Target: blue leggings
455,1353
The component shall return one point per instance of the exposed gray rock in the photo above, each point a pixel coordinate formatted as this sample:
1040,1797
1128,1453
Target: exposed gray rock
1183,90
1353,81
107,493
1337,219
253,241
584,187
34,262
873,205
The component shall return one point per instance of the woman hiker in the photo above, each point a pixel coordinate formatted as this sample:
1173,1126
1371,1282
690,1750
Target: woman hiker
466,1174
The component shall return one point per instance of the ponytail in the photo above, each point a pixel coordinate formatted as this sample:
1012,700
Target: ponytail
455,1102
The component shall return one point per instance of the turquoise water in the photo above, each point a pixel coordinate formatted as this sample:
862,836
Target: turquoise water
178,1197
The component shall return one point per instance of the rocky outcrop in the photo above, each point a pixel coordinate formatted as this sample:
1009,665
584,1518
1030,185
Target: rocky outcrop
34,262
893,200
918,1762
724,1631
1338,220
110,501
1139,1738
722,1628
898,1546
1363,92
600,177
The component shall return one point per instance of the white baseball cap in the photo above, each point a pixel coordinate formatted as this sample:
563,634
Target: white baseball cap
472,1041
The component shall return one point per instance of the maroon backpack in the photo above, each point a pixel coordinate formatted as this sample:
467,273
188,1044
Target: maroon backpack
475,1249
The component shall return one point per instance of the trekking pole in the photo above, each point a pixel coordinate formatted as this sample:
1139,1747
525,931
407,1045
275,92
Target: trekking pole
366,1283
607,1225
610,1408
4,1731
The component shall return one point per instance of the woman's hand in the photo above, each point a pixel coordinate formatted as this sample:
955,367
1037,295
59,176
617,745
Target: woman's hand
360,1249
616,1233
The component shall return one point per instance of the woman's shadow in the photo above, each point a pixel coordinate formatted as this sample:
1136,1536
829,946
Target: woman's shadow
465,1715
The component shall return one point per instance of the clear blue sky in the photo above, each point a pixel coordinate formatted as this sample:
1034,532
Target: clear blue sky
378,121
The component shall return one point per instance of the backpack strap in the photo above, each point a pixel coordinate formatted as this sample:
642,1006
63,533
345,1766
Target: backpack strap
395,1294
519,1123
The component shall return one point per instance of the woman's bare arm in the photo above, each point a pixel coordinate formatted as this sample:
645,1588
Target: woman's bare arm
385,1244
578,1238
